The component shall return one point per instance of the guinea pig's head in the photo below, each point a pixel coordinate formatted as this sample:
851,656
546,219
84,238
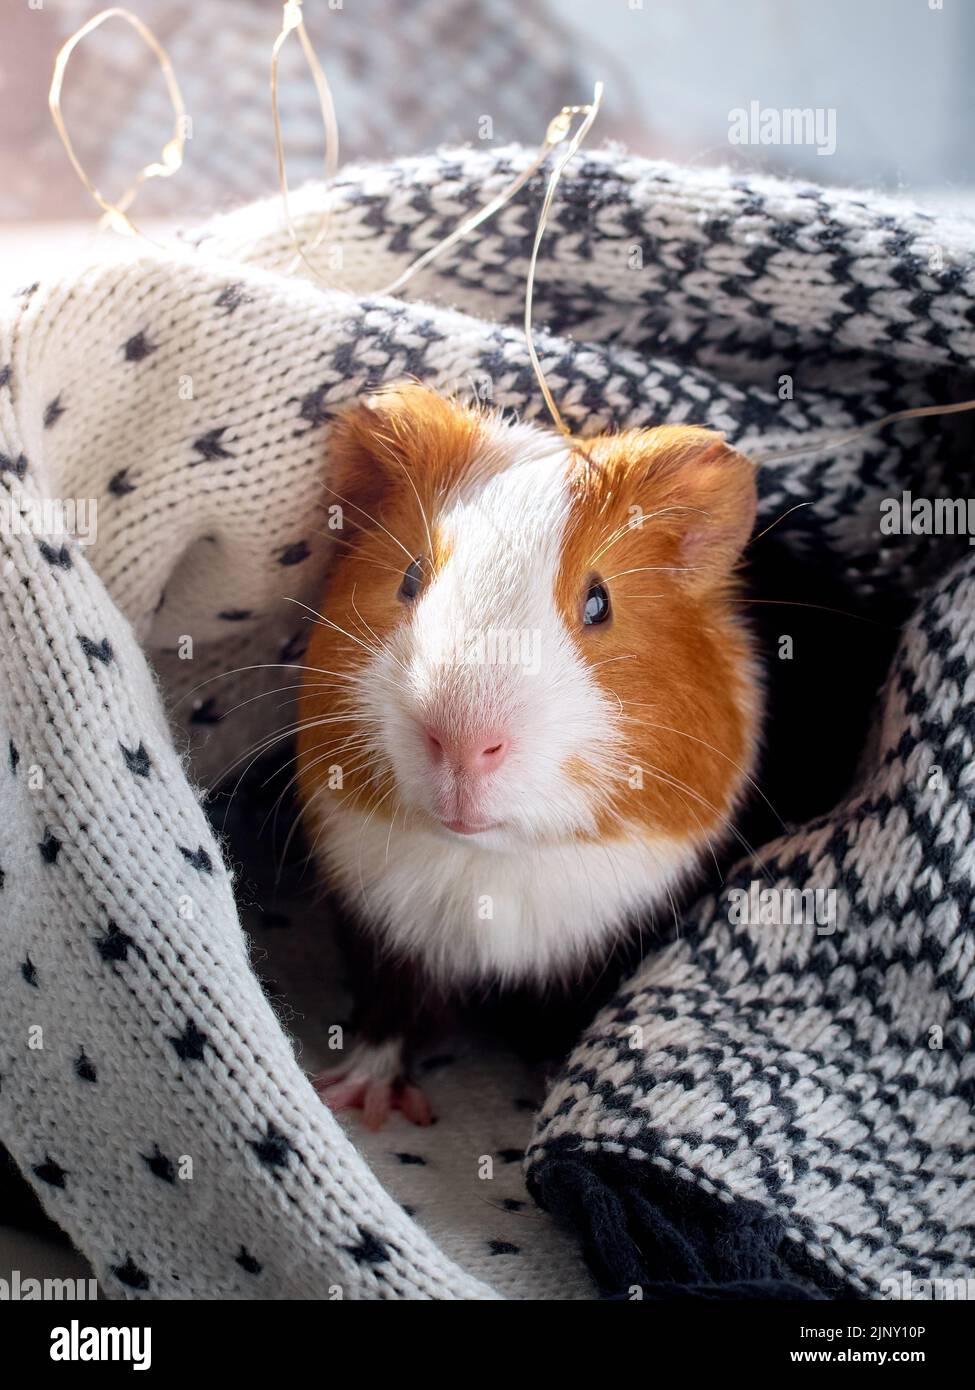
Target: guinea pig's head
527,639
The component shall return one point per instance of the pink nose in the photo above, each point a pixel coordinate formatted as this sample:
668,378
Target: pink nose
477,756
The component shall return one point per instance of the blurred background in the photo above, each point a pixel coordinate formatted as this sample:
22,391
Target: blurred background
895,74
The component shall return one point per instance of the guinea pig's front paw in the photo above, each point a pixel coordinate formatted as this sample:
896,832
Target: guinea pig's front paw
372,1079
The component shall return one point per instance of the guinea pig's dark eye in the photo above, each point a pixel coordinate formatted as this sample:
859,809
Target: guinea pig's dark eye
412,580
596,607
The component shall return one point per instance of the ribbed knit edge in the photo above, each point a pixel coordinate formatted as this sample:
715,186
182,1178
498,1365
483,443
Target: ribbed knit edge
648,1234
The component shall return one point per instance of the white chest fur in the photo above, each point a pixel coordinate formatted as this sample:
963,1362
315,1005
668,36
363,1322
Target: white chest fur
472,912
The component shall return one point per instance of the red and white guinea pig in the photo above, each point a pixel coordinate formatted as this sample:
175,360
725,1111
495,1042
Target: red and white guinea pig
530,707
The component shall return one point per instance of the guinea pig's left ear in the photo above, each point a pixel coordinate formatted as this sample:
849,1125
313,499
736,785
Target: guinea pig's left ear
708,491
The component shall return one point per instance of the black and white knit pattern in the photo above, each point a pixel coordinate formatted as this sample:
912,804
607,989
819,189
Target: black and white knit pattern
786,1078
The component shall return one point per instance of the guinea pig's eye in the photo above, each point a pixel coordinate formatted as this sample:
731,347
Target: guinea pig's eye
596,607
412,580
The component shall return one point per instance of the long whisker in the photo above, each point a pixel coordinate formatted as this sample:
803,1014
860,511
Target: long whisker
279,690
632,524
366,559
409,478
653,569
676,784
320,620
375,520
357,742
608,661
263,666
365,826
267,741
374,651
345,742
647,704
333,812
794,603
306,769
776,522
381,646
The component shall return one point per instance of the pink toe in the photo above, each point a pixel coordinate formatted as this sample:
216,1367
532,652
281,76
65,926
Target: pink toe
376,1105
328,1077
342,1095
415,1106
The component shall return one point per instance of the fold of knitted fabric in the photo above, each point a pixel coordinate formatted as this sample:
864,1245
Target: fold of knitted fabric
149,1091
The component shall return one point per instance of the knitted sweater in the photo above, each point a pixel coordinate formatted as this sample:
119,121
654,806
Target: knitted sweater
796,1098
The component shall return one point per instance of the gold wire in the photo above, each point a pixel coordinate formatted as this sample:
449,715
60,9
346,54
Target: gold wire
841,441
558,130
170,160
591,112
292,20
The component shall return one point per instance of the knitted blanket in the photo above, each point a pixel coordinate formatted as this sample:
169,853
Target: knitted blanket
765,1108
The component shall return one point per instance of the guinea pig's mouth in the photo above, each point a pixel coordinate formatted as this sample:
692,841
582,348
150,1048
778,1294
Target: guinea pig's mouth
460,827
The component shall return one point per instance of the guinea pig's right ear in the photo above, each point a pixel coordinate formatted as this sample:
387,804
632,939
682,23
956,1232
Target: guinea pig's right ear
407,438
357,464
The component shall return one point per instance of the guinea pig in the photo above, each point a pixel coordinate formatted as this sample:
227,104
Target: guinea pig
529,710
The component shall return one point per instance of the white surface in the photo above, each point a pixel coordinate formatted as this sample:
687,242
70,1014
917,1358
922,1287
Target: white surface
30,251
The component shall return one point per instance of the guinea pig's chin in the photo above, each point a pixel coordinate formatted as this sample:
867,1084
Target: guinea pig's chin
498,837
502,837
493,825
